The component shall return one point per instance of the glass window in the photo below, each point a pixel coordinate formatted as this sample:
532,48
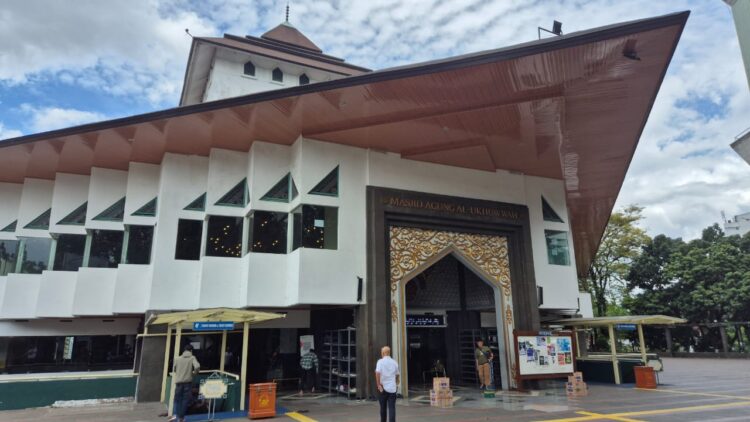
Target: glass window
315,227
557,247
268,231
77,217
35,255
189,234
249,69
198,204
140,239
72,353
106,248
303,79
278,75
549,213
69,252
10,227
148,209
329,186
115,212
8,255
282,191
41,222
224,236
236,197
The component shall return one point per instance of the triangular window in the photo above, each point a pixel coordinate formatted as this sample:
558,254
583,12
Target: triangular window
77,217
295,192
329,186
236,197
549,214
148,210
198,204
115,212
41,222
282,191
10,227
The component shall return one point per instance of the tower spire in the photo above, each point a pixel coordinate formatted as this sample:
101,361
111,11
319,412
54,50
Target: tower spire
287,12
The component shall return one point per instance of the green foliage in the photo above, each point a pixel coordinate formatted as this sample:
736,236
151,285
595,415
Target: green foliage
621,244
704,280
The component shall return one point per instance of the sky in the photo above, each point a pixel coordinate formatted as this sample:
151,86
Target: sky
68,63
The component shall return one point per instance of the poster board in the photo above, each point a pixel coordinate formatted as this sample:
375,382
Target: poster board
306,343
544,354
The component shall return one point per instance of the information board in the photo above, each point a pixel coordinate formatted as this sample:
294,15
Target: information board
213,326
545,354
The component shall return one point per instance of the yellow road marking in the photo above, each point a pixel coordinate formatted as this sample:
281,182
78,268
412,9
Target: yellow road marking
591,417
300,417
608,417
693,393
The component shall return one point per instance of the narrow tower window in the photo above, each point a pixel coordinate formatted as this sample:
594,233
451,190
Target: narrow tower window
249,69
303,79
278,75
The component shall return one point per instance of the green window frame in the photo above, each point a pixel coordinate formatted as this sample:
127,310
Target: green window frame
115,212
549,213
558,249
41,222
236,197
284,190
198,204
10,227
329,185
77,217
147,210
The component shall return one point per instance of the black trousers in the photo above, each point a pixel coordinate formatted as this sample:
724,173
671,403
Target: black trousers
309,379
387,406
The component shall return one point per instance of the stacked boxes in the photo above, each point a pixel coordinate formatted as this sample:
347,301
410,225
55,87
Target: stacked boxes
575,386
441,394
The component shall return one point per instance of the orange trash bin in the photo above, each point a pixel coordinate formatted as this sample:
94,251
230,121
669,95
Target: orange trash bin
645,377
262,400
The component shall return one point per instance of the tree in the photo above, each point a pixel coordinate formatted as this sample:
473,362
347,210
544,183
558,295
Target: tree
620,245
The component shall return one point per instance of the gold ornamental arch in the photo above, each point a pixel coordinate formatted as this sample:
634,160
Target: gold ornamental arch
412,250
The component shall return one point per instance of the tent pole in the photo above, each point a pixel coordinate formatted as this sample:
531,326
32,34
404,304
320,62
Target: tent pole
223,350
243,376
165,372
642,343
613,349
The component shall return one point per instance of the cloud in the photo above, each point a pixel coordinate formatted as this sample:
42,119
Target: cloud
6,133
683,172
118,47
50,118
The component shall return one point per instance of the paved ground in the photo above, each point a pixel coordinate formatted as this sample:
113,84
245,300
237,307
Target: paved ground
691,390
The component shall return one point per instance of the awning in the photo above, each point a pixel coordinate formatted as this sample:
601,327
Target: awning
570,108
629,319
215,314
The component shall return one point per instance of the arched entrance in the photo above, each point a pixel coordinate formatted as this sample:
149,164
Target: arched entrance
413,250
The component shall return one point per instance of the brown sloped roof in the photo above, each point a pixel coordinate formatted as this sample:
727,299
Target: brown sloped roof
287,34
570,108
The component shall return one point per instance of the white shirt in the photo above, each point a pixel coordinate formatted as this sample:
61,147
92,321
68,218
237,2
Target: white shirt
388,369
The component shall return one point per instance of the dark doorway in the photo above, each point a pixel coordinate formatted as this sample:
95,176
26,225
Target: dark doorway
448,307
426,352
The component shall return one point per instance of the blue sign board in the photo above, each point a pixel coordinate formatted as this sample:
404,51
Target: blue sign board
213,326
625,327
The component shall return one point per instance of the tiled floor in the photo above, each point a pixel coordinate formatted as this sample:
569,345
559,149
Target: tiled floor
691,390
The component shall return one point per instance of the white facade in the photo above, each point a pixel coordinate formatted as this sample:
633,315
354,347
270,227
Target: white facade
300,277
739,224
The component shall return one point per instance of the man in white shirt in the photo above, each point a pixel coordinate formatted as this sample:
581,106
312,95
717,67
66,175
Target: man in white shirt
387,377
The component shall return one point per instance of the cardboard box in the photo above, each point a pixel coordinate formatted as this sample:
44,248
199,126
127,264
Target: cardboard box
441,383
577,389
441,398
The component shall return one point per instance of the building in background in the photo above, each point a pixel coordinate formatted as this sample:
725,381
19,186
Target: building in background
741,15
421,205
737,225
